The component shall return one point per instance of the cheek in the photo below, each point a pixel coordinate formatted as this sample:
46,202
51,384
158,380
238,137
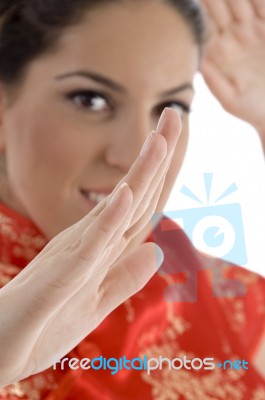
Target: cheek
43,151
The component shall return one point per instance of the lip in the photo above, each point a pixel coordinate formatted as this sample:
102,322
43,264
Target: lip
87,202
105,191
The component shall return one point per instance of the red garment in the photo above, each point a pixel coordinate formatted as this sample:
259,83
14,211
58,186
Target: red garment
199,321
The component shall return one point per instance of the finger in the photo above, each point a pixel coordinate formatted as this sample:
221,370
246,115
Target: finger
171,127
139,178
242,10
259,7
211,31
217,83
112,235
219,12
148,204
140,175
71,264
52,284
144,171
169,130
129,275
74,231
146,166
210,25
98,235
122,240
149,166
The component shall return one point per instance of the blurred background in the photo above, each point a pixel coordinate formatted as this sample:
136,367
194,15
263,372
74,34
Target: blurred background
224,158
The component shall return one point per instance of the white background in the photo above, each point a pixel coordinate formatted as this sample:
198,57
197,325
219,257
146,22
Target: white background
231,149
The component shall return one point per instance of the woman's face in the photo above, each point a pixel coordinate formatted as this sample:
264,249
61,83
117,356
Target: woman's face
82,113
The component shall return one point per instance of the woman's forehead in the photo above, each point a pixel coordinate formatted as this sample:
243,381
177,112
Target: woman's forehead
145,53
130,43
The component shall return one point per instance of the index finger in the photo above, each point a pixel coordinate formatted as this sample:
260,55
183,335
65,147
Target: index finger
242,10
259,7
219,12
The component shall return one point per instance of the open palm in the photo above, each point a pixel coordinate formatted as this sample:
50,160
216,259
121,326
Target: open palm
86,271
233,64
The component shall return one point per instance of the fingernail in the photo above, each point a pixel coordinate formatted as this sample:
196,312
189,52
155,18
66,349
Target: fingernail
120,188
147,142
161,122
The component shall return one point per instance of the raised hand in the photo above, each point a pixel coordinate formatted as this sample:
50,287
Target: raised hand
233,64
85,272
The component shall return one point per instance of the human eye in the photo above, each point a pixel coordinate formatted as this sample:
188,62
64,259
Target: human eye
180,106
89,100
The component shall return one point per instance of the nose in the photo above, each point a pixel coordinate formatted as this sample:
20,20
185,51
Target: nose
127,139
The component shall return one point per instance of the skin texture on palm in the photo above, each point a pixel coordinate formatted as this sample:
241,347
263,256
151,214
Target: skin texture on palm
233,64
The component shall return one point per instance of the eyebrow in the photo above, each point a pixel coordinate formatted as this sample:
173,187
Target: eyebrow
116,86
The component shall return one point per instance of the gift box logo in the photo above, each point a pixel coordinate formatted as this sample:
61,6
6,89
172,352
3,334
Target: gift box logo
217,228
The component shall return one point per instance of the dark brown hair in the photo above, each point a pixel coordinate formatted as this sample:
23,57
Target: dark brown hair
29,28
